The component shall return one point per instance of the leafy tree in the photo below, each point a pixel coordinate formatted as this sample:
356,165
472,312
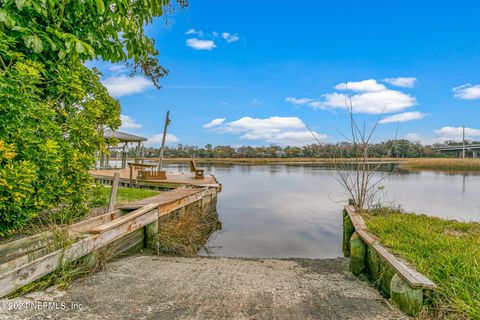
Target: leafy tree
53,109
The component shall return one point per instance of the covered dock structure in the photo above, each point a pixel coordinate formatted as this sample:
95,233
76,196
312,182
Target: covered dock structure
124,140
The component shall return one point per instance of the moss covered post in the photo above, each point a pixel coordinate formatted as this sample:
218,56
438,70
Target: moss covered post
348,230
151,236
406,298
358,254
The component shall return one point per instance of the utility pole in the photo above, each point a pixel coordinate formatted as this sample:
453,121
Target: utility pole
463,143
167,122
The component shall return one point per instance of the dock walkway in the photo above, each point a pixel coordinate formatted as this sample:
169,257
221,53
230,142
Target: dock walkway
174,180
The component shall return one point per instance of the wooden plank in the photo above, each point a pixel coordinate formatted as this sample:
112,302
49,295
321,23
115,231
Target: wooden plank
24,259
113,193
124,219
125,243
25,274
162,198
13,253
84,226
414,278
17,248
163,209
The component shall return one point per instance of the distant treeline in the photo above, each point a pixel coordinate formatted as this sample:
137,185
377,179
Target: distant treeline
392,148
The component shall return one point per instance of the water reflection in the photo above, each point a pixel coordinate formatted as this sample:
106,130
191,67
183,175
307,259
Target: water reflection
295,210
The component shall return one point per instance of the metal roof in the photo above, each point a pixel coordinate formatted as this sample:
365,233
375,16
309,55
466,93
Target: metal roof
122,136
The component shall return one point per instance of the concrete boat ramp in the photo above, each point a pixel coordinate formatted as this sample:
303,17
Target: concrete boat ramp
146,286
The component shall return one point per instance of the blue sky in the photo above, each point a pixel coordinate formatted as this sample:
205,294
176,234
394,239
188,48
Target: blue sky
263,72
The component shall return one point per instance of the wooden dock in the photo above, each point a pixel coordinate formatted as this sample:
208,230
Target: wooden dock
174,180
133,225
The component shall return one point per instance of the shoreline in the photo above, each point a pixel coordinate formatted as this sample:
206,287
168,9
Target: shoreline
455,165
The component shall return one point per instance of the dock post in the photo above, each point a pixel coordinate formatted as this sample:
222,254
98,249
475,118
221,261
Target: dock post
407,299
348,230
151,236
358,254
113,194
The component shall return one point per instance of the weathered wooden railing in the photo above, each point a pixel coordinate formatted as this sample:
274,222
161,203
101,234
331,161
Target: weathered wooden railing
406,287
28,259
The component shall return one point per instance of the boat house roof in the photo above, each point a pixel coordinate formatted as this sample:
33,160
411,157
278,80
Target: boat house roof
122,136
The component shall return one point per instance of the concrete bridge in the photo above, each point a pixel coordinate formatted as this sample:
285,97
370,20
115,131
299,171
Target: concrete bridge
475,148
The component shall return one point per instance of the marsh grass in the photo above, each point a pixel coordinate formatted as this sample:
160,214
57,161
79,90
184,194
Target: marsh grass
443,164
185,234
446,251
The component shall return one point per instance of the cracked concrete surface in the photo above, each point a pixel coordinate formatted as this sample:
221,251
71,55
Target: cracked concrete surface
152,287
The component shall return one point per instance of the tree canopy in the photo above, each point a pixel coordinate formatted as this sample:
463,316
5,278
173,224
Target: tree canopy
53,109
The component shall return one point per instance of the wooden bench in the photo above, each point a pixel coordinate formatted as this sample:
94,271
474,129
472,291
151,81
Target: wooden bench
198,172
151,175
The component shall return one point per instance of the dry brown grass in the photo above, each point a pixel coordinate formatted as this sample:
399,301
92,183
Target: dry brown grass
186,233
448,164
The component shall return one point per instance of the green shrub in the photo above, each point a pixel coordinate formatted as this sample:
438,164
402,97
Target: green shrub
53,109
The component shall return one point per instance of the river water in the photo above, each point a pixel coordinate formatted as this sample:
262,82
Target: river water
295,210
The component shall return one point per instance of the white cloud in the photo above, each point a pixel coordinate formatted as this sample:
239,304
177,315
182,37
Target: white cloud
467,91
198,44
457,132
403,117
369,97
257,101
195,32
444,134
156,140
386,101
214,123
370,85
122,85
129,123
405,82
298,100
230,37
277,130
414,137
417,138
116,68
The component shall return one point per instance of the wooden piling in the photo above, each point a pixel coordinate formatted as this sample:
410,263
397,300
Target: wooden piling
348,230
113,193
151,236
406,298
358,254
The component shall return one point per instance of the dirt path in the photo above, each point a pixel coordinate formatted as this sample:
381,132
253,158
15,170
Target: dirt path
151,287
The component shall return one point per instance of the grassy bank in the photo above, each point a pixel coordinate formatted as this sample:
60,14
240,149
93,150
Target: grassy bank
443,164
124,195
446,251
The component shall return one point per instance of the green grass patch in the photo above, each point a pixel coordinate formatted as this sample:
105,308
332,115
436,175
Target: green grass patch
446,251
101,195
